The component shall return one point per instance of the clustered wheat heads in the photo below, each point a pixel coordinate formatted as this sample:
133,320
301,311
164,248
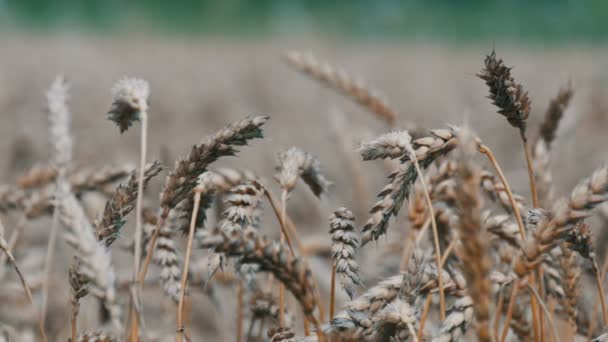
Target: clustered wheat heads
495,266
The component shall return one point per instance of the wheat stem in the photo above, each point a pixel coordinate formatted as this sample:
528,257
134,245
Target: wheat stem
283,235
138,213
332,296
50,255
26,288
239,311
544,308
179,336
429,203
600,290
509,315
74,320
424,315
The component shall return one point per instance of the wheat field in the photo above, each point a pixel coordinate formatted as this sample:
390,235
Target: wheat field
312,190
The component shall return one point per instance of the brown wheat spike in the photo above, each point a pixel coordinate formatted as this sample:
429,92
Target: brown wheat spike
96,260
520,324
344,246
271,256
588,194
97,336
264,306
121,204
211,184
183,179
509,96
570,276
294,163
459,316
474,251
11,198
97,179
396,321
554,114
78,289
37,176
343,83
495,190
427,149
355,320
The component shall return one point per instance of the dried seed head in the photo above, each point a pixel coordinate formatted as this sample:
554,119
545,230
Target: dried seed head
129,101
184,177
459,317
295,162
344,244
59,117
554,114
78,281
426,149
121,204
506,94
97,336
342,82
390,145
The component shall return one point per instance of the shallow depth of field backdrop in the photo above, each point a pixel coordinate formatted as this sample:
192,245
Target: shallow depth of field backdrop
210,63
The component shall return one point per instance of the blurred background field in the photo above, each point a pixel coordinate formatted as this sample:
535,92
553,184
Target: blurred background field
212,62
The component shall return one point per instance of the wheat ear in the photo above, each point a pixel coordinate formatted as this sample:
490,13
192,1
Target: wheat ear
342,82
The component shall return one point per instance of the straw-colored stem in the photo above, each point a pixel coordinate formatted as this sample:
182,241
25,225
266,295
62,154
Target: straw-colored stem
239,311
413,237
600,291
332,295
277,212
424,315
541,315
509,315
283,235
306,327
544,308
447,252
429,203
50,249
26,288
138,214
74,320
152,246
499,305
179,335
488,153
530,170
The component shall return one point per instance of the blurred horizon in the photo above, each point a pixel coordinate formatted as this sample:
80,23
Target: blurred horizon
550,22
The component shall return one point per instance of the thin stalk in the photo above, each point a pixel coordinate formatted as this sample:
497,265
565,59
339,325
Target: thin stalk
544,308
306,327
74,320
541,291
153,240
239,311
600,291
275,208
50,255
488,153
138,213
425,314
530,169
179,335
332,295
509,315
501,302
413,236
447,252
281,285
26,288
429,203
